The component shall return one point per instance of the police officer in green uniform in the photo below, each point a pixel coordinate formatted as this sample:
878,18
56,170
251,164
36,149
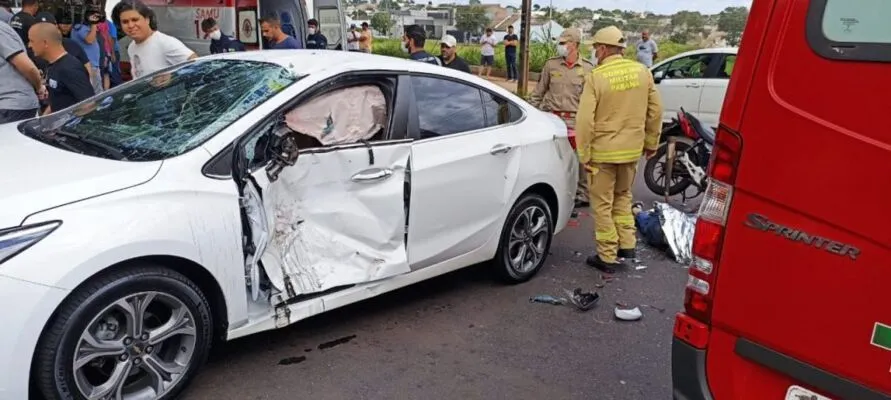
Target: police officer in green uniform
559,88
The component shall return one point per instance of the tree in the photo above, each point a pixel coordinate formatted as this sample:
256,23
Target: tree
603,23
387,5
732,21
382,22
565,19
475,2
687,24
471,19
536,7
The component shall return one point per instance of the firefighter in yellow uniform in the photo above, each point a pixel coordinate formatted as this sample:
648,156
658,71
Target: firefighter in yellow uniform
619,119
560,87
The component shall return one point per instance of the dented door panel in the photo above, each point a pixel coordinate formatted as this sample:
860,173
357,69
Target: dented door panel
336,217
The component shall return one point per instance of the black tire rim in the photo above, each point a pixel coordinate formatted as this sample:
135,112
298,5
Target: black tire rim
678,171
139,347
528,239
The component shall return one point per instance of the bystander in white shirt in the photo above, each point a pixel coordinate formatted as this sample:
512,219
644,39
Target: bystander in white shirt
155,53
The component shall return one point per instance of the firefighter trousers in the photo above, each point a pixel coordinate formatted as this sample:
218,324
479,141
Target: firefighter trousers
610,194
581,192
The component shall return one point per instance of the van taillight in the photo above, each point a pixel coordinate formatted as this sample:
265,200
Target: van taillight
709,238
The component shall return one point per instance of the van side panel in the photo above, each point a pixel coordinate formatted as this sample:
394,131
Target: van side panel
805,261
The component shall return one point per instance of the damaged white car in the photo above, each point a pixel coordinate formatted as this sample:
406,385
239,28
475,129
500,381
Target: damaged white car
244,192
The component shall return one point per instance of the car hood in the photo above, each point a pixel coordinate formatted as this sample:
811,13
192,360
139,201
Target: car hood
37,176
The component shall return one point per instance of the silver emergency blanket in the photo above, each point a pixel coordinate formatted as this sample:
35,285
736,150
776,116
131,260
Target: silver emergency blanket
343,116
678,228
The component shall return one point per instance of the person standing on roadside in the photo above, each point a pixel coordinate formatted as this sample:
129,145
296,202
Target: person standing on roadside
20,83
85,34
647,50
511,41
271,27
365,39
487,50
23,20
150,50
448,47
67,82
315,39
353,38
413,43
619,119
219,43
559,89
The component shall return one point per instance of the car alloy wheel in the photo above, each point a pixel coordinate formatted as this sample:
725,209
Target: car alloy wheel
526,239
137,333
138,347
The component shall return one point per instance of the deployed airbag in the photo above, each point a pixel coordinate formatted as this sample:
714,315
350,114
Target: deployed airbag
342,116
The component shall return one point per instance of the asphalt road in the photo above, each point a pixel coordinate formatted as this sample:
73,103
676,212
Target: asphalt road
465,336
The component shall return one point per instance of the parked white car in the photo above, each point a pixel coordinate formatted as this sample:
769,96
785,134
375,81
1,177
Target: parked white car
148,221
697,81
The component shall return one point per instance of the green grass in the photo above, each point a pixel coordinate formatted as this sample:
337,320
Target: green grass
539,52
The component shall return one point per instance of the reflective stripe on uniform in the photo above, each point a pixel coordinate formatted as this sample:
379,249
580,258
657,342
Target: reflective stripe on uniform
615,157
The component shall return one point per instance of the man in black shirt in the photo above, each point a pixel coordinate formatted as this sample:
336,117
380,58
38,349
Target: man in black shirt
315,39
413,43
448,47
23,20
510,53
66,78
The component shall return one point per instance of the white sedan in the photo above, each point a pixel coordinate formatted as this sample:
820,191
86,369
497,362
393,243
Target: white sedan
697,81
245,192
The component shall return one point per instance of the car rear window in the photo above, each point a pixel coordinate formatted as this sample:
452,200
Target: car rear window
850,29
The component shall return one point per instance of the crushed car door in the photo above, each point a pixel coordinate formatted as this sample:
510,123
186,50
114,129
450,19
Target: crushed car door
321,218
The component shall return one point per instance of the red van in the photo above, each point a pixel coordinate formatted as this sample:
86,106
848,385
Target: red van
785,296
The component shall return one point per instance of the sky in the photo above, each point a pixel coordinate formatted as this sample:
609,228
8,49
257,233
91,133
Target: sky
656,6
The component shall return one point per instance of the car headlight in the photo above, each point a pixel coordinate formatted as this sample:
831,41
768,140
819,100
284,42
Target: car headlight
16,240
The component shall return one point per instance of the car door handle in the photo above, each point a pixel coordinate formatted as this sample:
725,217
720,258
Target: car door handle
500,149
372,175
693,85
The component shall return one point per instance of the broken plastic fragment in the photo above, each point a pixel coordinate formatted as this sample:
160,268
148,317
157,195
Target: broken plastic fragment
633,314
548,299
583,300
640,267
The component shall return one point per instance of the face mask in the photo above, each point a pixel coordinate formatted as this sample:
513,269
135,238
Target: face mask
404,47
562,51
312,31
215,35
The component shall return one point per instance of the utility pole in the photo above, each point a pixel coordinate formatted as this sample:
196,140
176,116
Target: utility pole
526,22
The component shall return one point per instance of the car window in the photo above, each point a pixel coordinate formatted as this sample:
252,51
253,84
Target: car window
688,67
498,110
165,114
727,66
447,107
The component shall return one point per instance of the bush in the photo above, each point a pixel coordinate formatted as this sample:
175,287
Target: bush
538,52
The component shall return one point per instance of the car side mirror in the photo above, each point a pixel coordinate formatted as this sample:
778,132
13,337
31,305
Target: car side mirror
284,152
658,76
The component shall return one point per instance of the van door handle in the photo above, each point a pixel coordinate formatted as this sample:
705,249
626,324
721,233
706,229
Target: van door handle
372,175
500,149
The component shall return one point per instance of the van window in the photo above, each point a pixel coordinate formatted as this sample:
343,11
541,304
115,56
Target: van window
857,21
850,29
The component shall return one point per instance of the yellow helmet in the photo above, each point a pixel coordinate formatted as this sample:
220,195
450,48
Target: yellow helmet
610,36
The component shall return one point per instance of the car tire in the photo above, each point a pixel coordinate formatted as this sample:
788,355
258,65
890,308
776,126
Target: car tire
96,319
521,233
661,159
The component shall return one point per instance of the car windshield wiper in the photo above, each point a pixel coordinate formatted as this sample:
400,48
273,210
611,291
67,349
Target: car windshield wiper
92,142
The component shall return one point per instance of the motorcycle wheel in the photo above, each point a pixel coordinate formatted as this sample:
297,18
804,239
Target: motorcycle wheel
656,168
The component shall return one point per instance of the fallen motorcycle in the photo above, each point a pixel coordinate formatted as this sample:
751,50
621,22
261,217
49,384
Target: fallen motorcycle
681,161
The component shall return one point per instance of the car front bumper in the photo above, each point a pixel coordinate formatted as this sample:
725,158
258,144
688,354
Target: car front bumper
688,377
26,307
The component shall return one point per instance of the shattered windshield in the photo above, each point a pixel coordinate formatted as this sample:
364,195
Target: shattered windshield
163,115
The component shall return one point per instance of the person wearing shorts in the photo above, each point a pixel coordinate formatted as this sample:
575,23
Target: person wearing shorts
487,49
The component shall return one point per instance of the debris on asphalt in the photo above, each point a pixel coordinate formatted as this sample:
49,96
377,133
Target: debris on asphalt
633,314
599,285
584,301
547,299
636,276
292,360
640,267
336,342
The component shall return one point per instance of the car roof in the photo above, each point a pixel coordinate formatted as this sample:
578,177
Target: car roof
306,62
